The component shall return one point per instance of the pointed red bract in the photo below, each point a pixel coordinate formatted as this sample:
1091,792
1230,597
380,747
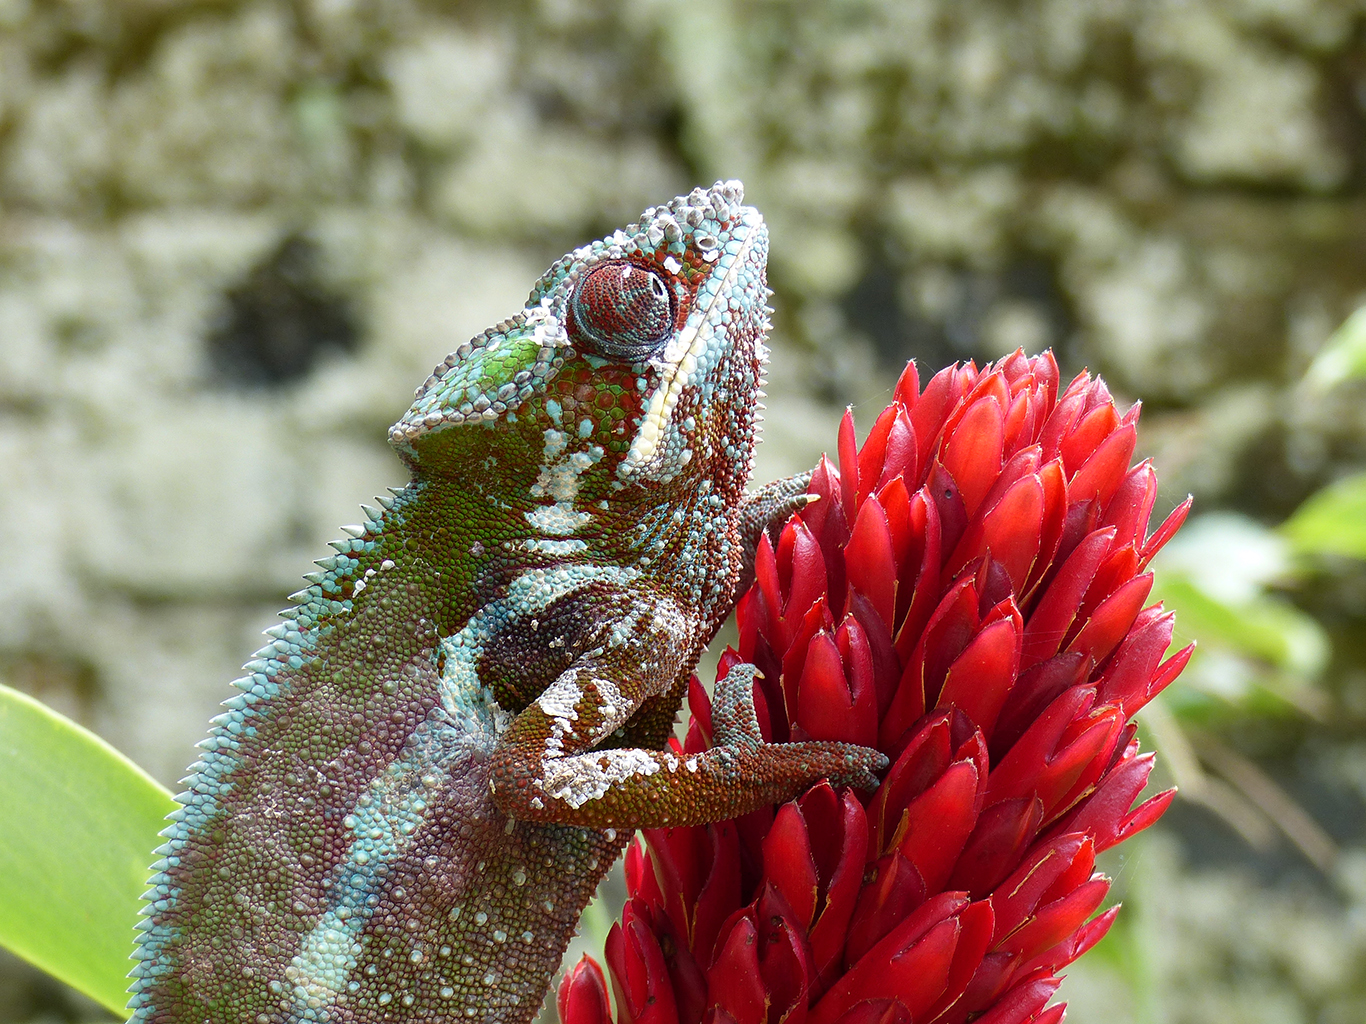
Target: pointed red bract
582,996
967,595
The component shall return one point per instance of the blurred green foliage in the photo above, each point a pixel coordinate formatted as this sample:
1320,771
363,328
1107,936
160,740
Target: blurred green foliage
1332,521
1233,583
1343,356
1256,650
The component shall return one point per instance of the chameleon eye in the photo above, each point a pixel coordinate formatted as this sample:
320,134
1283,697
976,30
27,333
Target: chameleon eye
623,309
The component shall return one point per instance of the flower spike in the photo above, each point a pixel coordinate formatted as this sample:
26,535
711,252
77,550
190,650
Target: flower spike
968,594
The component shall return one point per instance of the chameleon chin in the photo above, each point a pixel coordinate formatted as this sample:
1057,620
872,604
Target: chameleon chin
453,731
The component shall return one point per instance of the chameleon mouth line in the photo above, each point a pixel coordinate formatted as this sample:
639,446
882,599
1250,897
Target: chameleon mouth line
666,396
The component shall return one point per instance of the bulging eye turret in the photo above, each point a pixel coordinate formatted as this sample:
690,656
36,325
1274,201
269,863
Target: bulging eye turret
624,311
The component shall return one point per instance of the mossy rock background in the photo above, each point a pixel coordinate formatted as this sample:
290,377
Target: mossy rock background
233,236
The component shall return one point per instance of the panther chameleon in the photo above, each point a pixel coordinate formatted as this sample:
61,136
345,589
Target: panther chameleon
453,731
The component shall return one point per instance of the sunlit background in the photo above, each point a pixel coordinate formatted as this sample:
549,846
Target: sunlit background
234,236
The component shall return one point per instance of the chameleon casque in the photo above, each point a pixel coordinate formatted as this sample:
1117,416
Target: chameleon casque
452,732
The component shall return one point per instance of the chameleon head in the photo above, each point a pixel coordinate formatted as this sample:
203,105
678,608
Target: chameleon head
640,356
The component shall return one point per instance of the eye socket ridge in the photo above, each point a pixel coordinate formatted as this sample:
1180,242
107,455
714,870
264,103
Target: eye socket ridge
623,310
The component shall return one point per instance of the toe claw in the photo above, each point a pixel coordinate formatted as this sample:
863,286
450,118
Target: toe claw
863,765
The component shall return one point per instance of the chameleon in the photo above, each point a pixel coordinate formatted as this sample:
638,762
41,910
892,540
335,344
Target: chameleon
457,724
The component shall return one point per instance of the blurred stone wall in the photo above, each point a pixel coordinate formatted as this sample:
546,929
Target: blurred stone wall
234,235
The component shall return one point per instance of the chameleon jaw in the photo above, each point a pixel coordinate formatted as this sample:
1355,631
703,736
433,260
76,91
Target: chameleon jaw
681,359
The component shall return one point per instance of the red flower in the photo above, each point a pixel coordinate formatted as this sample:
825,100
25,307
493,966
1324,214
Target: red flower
967,595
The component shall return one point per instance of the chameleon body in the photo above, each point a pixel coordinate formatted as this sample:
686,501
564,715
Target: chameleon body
447,740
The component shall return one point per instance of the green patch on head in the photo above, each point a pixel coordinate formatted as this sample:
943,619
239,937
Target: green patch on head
485,378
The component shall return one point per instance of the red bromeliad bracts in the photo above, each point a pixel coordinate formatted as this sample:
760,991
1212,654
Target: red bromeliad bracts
968,596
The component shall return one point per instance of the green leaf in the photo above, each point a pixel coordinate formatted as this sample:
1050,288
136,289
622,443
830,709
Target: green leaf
1270,630
1343,356
1333,520
78,823
1257,652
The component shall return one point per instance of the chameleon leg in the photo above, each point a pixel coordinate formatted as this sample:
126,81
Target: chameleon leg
546,768
652,725
733,721
767,509
771,505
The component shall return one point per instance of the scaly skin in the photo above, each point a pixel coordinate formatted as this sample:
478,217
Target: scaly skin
447,742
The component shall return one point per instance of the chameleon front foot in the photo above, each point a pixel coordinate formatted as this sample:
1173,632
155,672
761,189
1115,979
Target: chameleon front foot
766,511
733,721
628,787
735,728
